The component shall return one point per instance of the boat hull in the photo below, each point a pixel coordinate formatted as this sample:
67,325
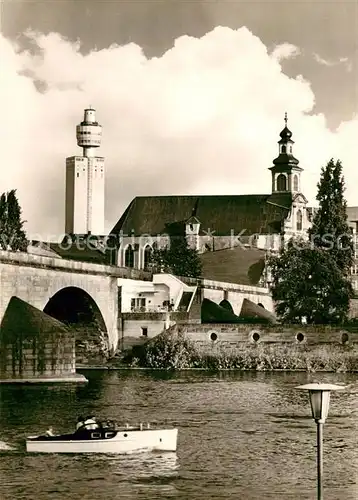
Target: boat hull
122,442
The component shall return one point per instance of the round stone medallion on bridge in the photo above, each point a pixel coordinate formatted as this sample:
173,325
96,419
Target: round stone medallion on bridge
213,335
255,336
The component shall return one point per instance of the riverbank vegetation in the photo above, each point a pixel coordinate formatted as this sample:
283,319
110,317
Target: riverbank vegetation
176,352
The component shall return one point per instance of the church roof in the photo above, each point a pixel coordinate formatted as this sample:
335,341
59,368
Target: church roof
193,220
261,213
285,159
83,254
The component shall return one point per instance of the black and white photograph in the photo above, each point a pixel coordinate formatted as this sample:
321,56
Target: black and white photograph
179,249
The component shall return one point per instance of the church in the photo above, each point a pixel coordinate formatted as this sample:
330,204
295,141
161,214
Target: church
214,224
232,233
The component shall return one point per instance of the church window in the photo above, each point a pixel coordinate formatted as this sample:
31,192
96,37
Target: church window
299,221
295,183
281,183
283,149
129,257
291,149
147,257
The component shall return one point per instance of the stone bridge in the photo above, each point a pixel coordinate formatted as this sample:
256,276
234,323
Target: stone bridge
85,293
48,283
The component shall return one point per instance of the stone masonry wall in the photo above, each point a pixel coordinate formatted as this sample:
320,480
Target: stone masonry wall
32,359
246,334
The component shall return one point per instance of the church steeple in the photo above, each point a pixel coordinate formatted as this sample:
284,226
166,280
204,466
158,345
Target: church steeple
285,172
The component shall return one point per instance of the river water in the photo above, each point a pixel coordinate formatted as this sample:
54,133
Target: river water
242,436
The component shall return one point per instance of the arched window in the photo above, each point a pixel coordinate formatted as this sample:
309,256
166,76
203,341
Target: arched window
299,220
147,257
129,256
295,182
281,183
283,149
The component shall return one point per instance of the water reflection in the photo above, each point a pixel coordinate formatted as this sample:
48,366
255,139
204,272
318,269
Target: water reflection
140,466
6,447
241,435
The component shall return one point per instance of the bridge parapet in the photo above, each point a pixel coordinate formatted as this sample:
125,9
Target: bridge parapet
221,285
73,266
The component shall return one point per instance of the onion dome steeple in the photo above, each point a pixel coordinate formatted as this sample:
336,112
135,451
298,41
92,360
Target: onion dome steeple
285,134
285,147
285,172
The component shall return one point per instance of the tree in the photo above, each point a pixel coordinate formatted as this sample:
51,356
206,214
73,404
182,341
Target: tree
308,283
3,217
330,230
12,234
178,258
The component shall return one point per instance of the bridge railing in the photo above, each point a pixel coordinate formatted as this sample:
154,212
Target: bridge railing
33,260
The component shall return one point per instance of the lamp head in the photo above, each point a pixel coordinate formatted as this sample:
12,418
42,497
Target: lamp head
319,398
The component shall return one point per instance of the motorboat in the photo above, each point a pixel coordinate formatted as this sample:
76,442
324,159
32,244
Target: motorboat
106,438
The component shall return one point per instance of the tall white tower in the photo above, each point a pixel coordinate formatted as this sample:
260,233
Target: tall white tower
85,181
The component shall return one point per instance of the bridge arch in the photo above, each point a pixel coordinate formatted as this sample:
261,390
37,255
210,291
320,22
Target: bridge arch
37,279
76,308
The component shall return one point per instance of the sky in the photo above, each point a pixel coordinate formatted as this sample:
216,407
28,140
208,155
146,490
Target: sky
191,96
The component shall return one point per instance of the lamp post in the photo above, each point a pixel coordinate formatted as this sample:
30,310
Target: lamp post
319,398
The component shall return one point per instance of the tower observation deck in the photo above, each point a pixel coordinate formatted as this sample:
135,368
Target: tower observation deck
89,133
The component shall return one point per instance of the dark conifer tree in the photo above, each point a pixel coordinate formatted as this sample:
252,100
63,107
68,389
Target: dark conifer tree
12,234
330,229
3,221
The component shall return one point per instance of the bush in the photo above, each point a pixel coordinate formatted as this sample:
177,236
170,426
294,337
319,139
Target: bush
169,351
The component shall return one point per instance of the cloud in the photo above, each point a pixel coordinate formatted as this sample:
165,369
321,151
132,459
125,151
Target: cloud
285,51
204,118
326,62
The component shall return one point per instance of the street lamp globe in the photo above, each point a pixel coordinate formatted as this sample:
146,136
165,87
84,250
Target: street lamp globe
319,398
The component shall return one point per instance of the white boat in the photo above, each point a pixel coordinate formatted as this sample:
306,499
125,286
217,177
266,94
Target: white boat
106,439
